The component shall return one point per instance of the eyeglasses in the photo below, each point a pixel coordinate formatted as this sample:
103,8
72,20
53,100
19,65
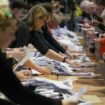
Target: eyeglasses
44,18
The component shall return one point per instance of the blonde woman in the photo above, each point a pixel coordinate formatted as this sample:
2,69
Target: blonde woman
36,19
9,84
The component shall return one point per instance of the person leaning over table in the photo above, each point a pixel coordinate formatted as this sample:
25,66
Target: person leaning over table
48,36
36,19
22,31
17,8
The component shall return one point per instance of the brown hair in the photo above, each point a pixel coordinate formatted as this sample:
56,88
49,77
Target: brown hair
48,6
35,12
17,4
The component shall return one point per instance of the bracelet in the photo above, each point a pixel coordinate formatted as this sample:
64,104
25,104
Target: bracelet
64,59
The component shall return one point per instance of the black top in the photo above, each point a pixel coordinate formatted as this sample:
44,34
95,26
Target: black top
22,36
51,40
39,42
43,41
12,88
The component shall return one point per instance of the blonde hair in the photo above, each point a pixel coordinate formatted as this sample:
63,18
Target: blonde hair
6,18
35,12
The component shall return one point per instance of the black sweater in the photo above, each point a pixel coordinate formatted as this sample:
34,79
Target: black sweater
12,88
40,43
43,41
22,36
51,40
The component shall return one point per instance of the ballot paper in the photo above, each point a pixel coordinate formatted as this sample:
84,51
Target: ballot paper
34,72
84,74
77,96
83,58
20,63
28,55
59,84
85,61
88,64
66,68
28,52
50,88
54,66
64,32
86,103
57,89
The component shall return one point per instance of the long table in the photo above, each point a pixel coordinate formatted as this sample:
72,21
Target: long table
96,85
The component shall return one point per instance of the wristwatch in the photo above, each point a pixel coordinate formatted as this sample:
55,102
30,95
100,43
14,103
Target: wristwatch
64,59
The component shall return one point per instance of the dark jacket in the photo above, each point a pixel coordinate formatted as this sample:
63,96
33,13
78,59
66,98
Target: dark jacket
22,36
39,42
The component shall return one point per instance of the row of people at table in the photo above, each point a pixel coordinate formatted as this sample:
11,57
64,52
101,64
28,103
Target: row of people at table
93,16
10,25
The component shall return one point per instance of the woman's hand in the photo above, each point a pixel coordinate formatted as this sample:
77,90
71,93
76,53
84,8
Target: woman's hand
17,54
45,70
73,63
24,74
71,55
